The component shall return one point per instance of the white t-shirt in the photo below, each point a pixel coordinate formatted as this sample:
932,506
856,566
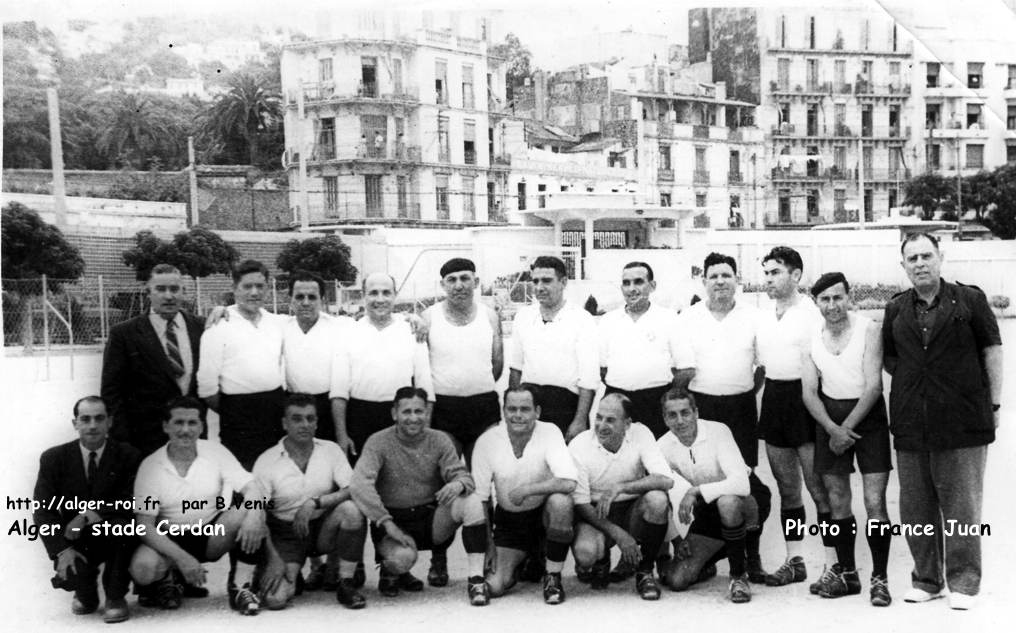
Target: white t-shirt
214,473
373,364
781,341
561,353
599,469
640,354
308,355
721,351
289,488
545,456
239,357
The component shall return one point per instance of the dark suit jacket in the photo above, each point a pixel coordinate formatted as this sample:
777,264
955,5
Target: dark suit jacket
62,473
137,380
940,397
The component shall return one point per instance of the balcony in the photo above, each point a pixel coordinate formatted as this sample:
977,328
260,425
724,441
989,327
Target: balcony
700,131
330,152
501,160
469,44
957,129
893,89
735,178
665,174
315,94
701,177
784,129
469,156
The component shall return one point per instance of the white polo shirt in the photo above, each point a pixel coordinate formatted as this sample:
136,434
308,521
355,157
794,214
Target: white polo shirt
372,364
599,469
639,354
289,488
713,462
721,351
782,341
214,473
308,355
561,353
545,456
239,357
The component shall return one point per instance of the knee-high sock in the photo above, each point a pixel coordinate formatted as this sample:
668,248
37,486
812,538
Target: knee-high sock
790,520
879,539
652,537
845,542
349,544
735,538
752,539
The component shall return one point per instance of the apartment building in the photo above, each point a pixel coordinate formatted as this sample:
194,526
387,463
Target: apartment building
388,120
836,102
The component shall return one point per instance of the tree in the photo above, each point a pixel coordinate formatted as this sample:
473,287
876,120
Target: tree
929,192
245,115
139,128
979,192
518,59
1001,219
327,256
198,252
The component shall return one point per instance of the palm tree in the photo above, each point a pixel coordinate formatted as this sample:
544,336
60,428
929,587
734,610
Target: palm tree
137,129
244,113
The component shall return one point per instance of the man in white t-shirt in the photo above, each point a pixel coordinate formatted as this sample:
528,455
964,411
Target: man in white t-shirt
620,497
527,464
639,347
724,375
784,422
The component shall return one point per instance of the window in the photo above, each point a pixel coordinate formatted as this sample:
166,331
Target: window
700,159
326,139
325,70
933,156
811,32
812,204
783,31
443,151
440,82
840,159
664,156
975,156
868,210
469,142
867,160
368,77
812,68
402,196
840,117
700,200
894,162
441,197
932,115
894,70
974,116
665,198
893,202
1010,83
867,66
895,38
1010,118
784,206
866,35
840,75
397,76
331,194
785,118
375,204
541,196
522,196
374,135
469,198
468,100
840,205
812,120
932,74
974,70
783,73
866,118
616,159
1010,154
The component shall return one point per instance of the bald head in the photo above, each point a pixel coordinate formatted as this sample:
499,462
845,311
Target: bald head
379,296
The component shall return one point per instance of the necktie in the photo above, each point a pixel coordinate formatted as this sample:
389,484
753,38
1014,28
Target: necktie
93,466
173,349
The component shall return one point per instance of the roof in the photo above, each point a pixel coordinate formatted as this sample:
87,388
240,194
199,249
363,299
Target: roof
594,145
677,97
539,131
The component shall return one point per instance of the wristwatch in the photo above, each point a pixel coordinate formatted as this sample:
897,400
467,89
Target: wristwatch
995,408
317,502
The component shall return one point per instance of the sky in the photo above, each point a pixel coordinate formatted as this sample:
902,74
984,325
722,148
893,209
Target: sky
540,24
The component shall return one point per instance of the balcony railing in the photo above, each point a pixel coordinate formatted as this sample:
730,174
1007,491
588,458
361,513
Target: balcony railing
700,131
328,91
327,151
501,160
469,43
734,178
665,174
701,176
469,157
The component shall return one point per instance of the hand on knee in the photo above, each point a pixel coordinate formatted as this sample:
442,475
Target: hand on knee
279,598
399,560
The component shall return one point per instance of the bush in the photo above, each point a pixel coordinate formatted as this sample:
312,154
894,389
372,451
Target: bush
999,301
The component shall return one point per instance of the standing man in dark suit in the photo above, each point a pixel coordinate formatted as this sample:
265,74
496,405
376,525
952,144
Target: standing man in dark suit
101,471
149,360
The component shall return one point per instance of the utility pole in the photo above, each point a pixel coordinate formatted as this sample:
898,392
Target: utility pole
959,194
193,177
56,158
860,180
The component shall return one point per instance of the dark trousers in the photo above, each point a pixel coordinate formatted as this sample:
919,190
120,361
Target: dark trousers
365,418
646,407
113,553
558,406
250,423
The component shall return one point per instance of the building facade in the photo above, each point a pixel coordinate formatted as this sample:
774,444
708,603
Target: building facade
389,121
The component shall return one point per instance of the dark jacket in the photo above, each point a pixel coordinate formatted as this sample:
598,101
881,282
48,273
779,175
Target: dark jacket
62,476
940,396
137,380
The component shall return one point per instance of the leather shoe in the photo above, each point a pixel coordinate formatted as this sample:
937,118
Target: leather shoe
79,607
115,611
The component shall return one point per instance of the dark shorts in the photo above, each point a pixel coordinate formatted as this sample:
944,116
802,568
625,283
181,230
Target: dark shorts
417,522
707,521
625,515
784,421
195,544
740,414
646,407
291,547
365,418
250,423
522,531
466,417
557,405
873,451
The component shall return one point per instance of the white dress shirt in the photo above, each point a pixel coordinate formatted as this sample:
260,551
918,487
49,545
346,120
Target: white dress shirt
307,356
782,341
289,488
545,457
239,357
599,469
373,364
86,451
721,351
561,353
214,473
639,354
182,342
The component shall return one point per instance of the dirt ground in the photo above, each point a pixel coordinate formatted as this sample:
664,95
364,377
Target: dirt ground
36,415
